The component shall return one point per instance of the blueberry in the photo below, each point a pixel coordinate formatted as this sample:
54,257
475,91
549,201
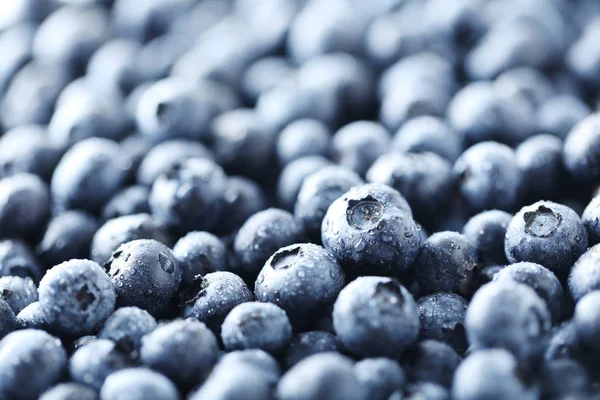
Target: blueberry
446,263
525,83
586,319
559,114
486,232
217,294
301,138
565,343
137,384
393,322
442,317
584,276
424,179
318,191
241,143
489,177
431,361
17,292
293,176
306,344
162,157
195,345
582,57
70,35
424,390
255,359
15,43
80,342
129,201
68,236
69,391
491,374
508,315
562,379
144,274
540,159
591,220
199,253
428,134
321,376
127,325
8,321
581,148
92,363
136,147
16,259
190,196
88,175
76,296
255,325
24,206
264,74
32,317
546,233
120,230
26,148
112,66
243,198
358,144
303,279
540,279
380,377
370,231
262,235
30,362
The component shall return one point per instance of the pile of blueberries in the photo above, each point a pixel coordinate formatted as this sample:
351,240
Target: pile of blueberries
299,199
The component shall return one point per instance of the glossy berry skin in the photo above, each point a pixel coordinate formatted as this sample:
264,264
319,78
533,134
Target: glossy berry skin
138,384
380,377
120,230
486,232
393,324
358,144
92,363
292,177
66,391
540,279
488,177
446,263
8,321
76,296
424,179
144,274
163,156
321,376
214,295
16,259
591,220
195,345
24,206
370,230
581,148
546,233
432,361
442,318
30,362
540,159
190,195
585,274
318,191
68,236
262,235
491,374
303,279
428,134
306,344
586,319
560,113
256,359
129,201
199,253
17,292
508,315
32,317
243,198
304,137
128,325
255,325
